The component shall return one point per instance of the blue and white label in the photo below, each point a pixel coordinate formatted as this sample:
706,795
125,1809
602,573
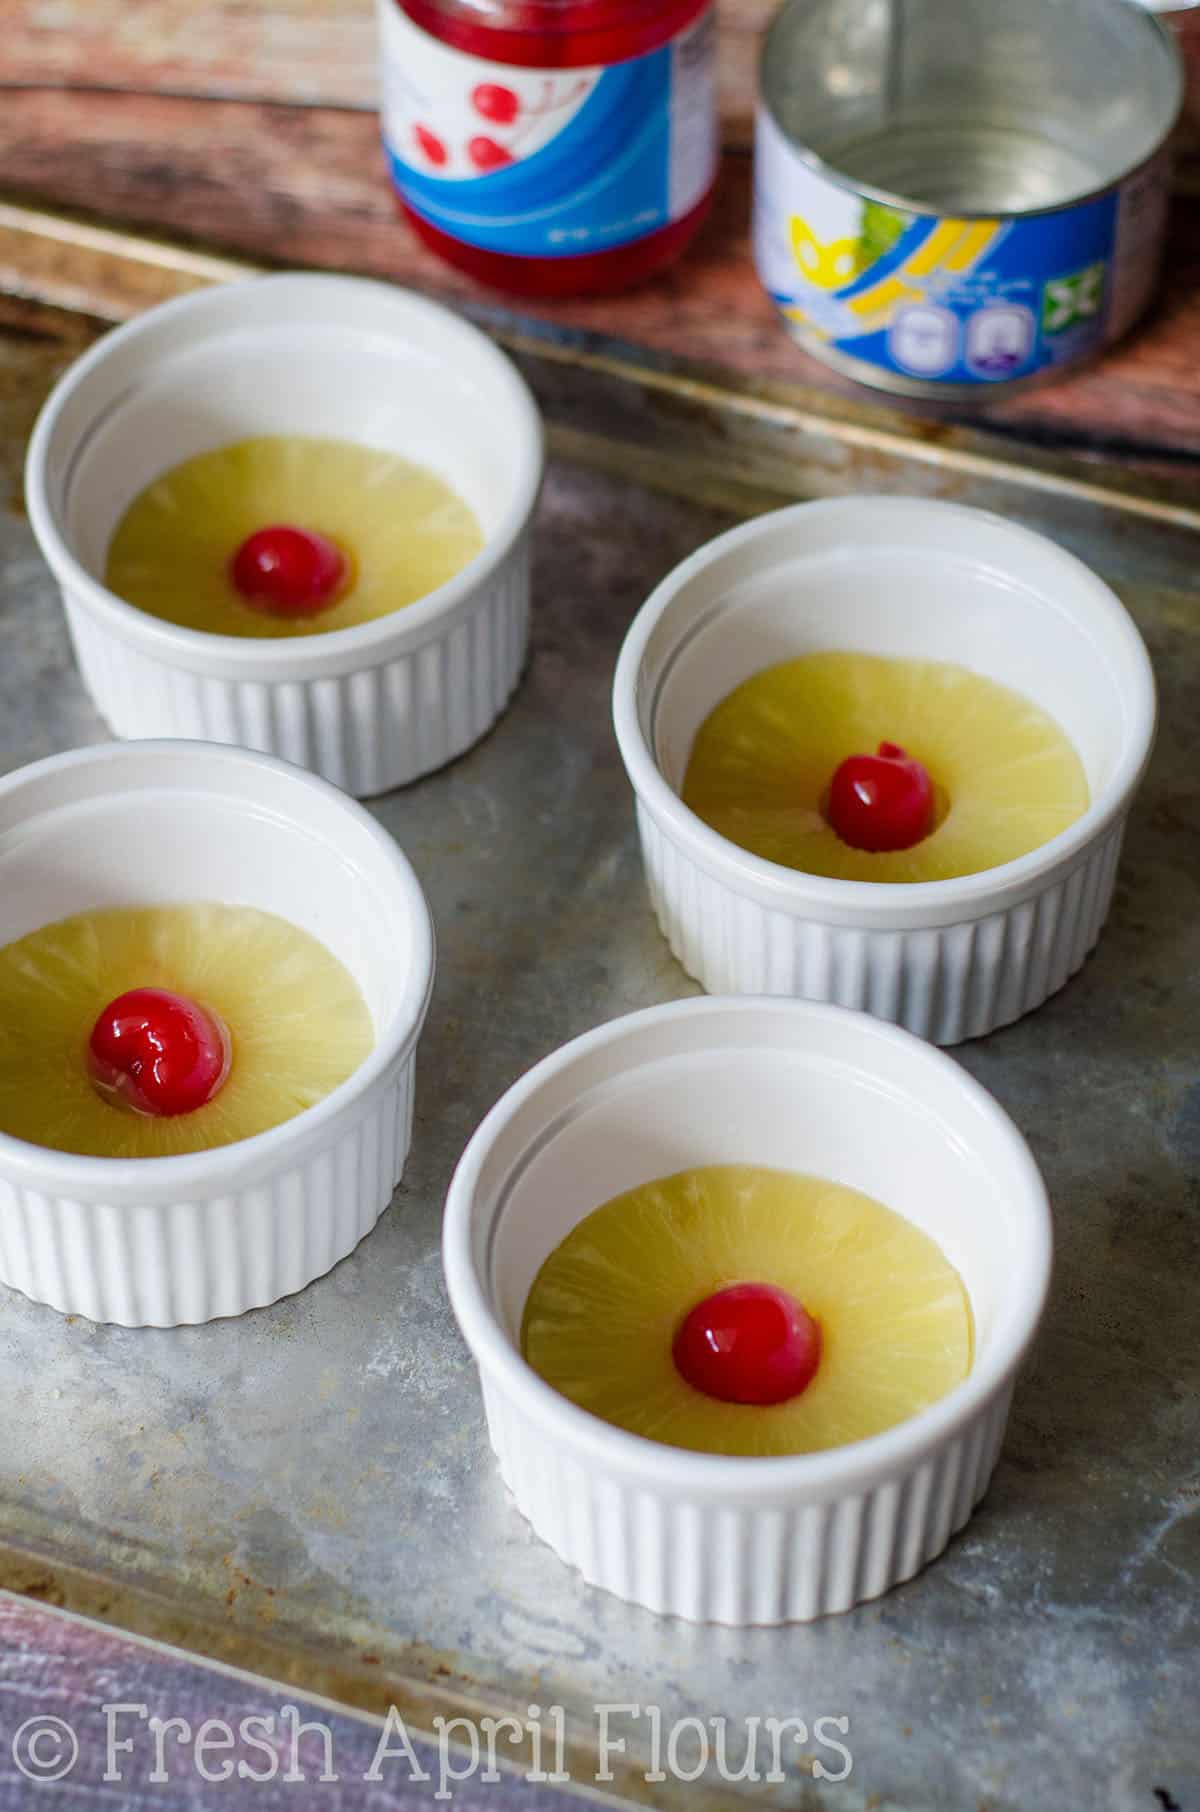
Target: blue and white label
549,162
934,299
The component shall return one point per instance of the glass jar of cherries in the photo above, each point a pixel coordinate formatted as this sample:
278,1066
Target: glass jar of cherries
552,147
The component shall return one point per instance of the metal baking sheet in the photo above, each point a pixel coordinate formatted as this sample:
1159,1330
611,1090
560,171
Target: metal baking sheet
309,1490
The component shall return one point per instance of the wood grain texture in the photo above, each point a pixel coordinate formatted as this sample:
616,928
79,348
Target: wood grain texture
303,52
296,1752
247,127
306,52
306,185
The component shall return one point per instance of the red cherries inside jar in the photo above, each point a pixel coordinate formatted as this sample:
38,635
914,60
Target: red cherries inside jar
289,572
158,1053
749,1343
883,801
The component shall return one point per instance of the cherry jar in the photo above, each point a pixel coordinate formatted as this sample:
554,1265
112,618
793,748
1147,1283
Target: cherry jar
552,147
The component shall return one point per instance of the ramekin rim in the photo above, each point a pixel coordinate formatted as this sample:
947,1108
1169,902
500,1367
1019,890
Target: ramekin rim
897,905
654,1463
155,1182
277,659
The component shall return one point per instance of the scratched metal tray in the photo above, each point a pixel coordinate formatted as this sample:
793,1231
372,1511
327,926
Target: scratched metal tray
308,1491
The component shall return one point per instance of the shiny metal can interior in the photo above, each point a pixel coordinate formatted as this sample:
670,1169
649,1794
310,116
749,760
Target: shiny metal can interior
956,196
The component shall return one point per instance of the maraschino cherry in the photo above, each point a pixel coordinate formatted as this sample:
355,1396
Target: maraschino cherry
881,802
157,1052
749,1343
288,571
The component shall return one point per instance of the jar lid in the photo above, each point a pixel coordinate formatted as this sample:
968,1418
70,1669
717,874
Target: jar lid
555,33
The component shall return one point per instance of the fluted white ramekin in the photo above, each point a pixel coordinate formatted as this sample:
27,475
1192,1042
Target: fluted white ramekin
799,1087
893,576
370,707
161,1241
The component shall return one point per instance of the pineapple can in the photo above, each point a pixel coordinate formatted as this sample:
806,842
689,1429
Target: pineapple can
953,197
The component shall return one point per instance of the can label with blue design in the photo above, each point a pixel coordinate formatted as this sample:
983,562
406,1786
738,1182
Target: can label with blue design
925,303
548,162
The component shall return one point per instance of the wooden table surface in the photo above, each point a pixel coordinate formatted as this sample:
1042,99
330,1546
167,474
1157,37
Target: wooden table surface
249,125
73,1694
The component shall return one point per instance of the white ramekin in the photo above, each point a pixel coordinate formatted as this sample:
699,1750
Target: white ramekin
894,576
161,1241
371,707
782,1083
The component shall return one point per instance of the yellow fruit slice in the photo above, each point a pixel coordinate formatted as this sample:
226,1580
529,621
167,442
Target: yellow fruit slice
403,529
895,1319
1006,776
298,1023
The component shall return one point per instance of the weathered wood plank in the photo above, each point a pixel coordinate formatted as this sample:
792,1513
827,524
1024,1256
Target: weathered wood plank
739,445
307,186
303,52
50,1658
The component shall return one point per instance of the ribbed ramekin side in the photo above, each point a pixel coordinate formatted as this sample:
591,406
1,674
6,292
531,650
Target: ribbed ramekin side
740,1561
175,1262
945,983
378,727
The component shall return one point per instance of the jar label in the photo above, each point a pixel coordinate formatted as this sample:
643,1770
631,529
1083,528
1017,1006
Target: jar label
549,162
934,299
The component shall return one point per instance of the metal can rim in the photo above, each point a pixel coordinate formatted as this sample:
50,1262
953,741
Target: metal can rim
888,198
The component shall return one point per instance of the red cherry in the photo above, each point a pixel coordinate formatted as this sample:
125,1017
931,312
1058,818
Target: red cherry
496,103
882,801
158,1052
750,1343
431,145
486,154
288,571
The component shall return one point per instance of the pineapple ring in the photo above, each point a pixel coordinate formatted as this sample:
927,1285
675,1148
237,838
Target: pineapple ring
895,1318
1007,778
298,1023
404,530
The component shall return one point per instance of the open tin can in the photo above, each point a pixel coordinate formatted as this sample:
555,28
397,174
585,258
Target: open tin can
952,195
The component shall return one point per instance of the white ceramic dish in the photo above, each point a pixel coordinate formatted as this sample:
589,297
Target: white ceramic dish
801,1087
896,576
162,1241
371,707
